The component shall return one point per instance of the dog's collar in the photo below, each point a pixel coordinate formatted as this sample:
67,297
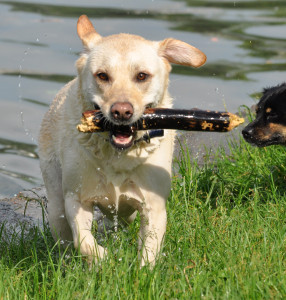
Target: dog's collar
150,134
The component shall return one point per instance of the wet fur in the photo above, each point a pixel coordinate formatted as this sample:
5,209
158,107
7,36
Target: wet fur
81,170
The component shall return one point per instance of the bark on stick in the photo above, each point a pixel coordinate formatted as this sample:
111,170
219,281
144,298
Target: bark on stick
166,118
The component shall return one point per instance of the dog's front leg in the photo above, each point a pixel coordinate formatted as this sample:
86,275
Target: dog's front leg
79,216
152,229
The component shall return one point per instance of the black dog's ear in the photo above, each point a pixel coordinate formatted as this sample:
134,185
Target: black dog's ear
267,89
274,88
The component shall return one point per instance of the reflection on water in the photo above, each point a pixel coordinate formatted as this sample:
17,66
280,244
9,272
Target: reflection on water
244,42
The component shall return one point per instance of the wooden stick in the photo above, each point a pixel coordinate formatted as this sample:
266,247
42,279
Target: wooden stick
166,118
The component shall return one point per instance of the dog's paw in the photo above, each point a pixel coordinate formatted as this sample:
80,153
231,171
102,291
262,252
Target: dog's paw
99,255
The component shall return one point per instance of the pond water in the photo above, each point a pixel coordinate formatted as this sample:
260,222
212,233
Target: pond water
243,40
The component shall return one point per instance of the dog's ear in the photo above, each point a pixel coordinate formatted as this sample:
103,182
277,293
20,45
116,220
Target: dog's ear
86,32
181,53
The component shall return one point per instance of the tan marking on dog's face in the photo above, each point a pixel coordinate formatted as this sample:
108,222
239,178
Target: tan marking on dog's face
278,128
268,110
267,132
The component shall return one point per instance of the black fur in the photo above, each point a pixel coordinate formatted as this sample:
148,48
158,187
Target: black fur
269,127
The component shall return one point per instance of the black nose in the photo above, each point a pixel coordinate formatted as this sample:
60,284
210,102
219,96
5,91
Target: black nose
247,132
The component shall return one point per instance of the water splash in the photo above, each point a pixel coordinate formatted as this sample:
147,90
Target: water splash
115,220
27,131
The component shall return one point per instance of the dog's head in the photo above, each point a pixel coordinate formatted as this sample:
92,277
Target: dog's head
269,127
124,74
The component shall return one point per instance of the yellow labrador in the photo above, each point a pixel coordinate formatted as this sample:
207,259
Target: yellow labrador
121,75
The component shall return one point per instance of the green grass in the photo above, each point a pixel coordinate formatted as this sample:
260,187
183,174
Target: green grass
225,239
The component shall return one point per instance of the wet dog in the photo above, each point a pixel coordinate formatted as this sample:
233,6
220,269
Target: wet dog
118,171
269,126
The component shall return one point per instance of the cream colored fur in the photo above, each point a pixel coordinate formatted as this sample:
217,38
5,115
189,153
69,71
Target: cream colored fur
81,170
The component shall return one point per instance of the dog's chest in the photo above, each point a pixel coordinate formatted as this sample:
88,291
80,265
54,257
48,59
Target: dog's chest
117,193
101,180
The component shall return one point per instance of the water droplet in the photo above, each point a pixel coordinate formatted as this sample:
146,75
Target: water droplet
115,220
25,52
62,216
98,169
106,198
62,242
37,40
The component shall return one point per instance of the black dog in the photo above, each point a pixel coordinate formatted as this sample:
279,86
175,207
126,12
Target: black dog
269,127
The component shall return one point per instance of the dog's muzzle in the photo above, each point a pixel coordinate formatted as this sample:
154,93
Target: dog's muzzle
123,135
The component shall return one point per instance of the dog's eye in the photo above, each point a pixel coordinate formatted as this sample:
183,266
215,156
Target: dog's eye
141,76
102,76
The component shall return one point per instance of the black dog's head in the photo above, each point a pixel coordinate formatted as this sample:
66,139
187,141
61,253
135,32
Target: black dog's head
269,127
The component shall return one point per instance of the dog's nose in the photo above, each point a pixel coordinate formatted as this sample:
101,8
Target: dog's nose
247,132
122,111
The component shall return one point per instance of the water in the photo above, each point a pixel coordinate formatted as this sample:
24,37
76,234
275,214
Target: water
243,40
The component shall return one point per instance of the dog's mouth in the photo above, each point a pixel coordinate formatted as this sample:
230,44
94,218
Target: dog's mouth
122,137
274,140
